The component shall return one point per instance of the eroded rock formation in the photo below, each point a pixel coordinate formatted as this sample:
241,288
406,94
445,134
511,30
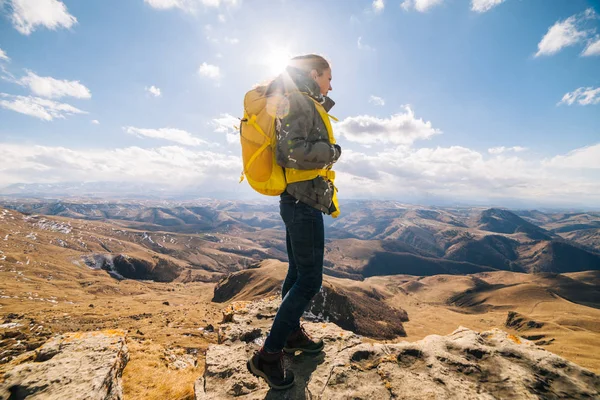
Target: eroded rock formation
80,365
462,365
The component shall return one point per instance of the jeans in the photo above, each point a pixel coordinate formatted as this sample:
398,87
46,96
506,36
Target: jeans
305,241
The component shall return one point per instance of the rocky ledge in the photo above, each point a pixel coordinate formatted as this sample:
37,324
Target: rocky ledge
462,365
80,365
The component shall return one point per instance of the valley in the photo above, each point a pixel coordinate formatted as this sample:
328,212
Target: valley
166,274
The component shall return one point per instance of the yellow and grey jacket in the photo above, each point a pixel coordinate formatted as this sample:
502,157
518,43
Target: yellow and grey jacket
306,147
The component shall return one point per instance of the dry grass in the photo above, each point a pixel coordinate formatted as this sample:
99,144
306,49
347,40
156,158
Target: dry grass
149,377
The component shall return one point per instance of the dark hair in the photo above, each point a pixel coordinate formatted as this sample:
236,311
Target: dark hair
308,62
299,64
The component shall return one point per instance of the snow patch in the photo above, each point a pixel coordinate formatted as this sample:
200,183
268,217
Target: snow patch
10,325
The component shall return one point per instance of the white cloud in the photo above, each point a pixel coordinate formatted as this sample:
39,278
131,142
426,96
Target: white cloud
402,172
378,101
565,33
49,87
191,6
3,55
583,96
37,107
482,6
170,165
420,5
95,122
231,40
221,18
583,158
457,173
228,125
28,14
165,4
209,71
378,5
502,149
174,135
363,46
219,3
593,48
153,90
401,129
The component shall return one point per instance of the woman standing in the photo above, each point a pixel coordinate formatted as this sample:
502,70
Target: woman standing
306,149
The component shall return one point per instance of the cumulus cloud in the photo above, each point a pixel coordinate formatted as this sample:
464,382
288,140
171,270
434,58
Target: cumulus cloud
583,96
170,165
402,172
420,5
378,101
209,71
153,90
190,6
583,158
95,122
565,33
27,15
593,48
228,125
174,135
402,128
37,107
229,40
363,46
3,56
378,5
51,88
482,6
462,174
502,149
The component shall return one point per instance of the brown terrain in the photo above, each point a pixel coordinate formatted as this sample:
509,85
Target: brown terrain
394,273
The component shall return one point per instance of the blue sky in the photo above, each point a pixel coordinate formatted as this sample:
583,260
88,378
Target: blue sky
466,100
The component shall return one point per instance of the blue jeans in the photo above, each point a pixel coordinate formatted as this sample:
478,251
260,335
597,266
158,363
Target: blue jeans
305,240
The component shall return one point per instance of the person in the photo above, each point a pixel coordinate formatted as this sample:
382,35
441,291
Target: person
304,143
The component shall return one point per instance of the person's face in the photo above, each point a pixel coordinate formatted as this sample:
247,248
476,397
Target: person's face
324,80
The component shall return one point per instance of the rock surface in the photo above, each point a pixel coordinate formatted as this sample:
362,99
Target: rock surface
80,365
462,365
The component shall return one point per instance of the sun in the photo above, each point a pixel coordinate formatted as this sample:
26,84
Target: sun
277,59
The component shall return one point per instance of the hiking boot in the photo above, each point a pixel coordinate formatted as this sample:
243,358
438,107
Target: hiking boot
301,340
270,367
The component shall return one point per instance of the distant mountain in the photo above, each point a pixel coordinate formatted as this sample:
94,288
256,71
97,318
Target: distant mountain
118,190
504,221
370,238
497,251
559,256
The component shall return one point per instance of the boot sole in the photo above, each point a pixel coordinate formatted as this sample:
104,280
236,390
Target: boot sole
256,372
291,350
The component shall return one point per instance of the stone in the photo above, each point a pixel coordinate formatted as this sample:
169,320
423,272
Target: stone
80,365
462,365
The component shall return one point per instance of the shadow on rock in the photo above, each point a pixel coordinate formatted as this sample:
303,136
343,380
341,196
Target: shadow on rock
303,366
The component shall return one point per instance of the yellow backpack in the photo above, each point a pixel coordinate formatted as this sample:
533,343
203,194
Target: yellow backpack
258,140
257,136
